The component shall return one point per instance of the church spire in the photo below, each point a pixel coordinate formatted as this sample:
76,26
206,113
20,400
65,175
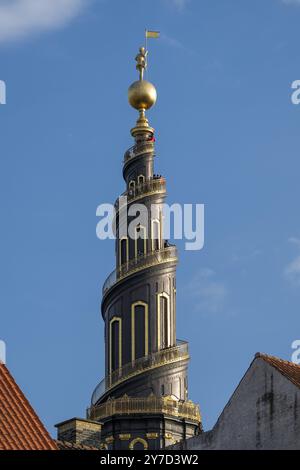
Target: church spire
142,95
143,399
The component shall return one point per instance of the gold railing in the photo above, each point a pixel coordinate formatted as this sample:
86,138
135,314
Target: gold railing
149,259
151,186
139,149
176,353
152,404
141,262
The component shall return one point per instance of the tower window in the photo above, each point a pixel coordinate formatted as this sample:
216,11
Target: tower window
140,241
155,235
164,314
115,344
141,179
164,321
123,250
131,186
139,330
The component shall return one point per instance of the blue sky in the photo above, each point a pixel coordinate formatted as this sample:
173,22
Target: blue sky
227,136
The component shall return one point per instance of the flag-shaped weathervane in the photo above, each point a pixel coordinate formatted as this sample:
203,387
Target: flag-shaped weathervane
152,34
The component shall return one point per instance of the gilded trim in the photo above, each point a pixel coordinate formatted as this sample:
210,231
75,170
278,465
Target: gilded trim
161,218
140,268
146,405
136,441
124,437
131,185
120,250
141,179
134,374
135,304
113,320
141,228
166,296
152,435
155,221
145,194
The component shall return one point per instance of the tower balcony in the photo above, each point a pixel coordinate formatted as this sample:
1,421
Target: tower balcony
160,358
166,405
140,148
155,185
134,265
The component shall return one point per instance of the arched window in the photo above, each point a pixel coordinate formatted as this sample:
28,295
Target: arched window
123,250
165,327
141,179
140,241
155,235
131,186
115,344
138,444
139,330
164,321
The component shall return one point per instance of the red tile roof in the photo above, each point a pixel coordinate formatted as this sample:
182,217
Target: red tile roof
20,427
290,370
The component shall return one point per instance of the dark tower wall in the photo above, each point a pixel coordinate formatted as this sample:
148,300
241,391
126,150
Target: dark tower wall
143,399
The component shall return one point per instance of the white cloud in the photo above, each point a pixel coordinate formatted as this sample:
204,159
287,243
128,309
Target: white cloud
209,293
292,271
21,18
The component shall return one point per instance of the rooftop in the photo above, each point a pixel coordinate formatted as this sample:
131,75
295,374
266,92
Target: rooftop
20,427
290,370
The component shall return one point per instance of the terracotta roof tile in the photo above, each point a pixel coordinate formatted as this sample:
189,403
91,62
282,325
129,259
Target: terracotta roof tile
290,370
20,427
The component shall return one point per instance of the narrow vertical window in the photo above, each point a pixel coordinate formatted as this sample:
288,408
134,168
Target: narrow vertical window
165,327
123,250
155,235
139,330
131,187
141,179
140,241
115,344
163,321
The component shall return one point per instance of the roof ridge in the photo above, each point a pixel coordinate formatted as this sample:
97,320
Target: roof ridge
20,427
20,403
288,369
276,358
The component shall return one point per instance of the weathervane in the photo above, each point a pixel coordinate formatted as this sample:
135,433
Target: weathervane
141,61
142,94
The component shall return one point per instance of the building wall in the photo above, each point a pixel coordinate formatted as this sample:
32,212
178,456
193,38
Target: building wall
263,413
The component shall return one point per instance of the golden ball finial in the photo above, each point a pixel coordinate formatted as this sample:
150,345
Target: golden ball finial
142,95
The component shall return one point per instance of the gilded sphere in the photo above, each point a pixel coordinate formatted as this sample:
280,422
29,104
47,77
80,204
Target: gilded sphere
142,94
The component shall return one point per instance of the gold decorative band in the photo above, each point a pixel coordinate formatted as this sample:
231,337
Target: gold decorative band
149,405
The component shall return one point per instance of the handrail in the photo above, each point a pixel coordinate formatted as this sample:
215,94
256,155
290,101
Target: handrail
141,262
151,404
157,359
138,149
152,185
